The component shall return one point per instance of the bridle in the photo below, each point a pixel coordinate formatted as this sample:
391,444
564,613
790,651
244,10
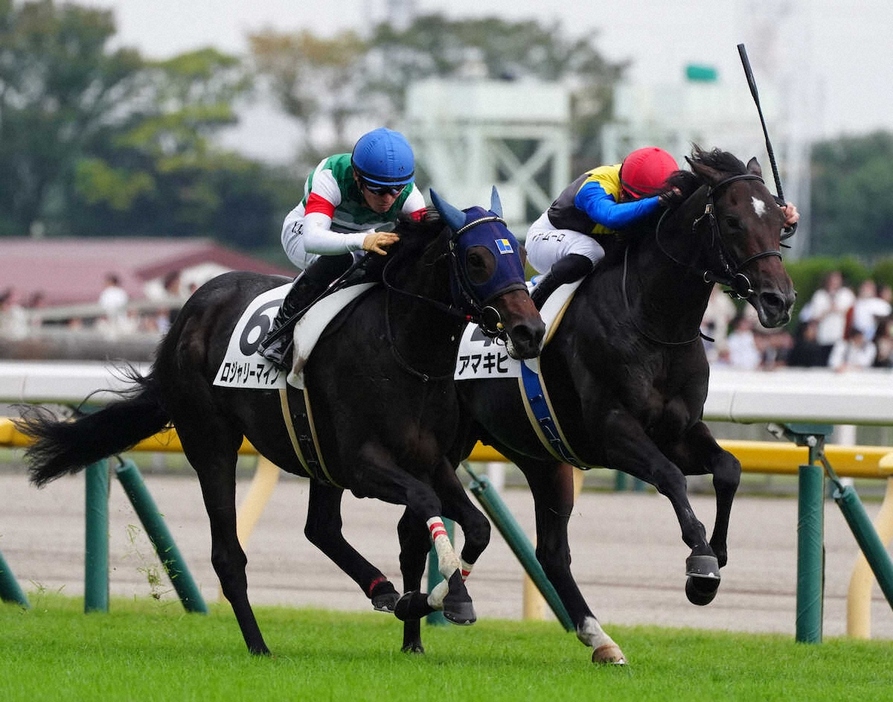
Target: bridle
468,308
730,274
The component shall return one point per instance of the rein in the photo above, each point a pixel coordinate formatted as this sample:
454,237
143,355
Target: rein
740,284
485,316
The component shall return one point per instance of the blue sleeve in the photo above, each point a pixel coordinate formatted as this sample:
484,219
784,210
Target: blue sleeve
603,209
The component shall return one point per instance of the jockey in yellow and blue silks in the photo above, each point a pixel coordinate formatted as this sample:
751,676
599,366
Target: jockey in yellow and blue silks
601,201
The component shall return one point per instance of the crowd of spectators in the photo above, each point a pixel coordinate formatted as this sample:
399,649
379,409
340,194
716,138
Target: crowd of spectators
837,328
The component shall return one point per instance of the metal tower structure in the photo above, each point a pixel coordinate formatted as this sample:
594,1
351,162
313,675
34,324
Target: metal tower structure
470,135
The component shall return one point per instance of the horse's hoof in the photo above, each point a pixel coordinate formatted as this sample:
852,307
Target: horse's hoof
413,605
457,605
384,597
609,654
414,647
701,591
702,567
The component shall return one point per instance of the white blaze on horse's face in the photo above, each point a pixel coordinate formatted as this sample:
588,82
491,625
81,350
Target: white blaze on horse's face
758,206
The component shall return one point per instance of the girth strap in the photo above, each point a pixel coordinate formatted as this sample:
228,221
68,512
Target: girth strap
302,432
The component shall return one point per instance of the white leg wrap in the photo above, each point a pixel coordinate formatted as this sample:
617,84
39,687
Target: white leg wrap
447,560
435,597
592,634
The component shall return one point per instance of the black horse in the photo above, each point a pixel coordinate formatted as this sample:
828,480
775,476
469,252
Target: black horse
625,373
384,405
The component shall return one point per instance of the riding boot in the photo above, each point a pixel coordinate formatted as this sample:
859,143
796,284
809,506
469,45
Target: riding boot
565,270
307,288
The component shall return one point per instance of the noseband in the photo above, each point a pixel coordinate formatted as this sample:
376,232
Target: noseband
729,275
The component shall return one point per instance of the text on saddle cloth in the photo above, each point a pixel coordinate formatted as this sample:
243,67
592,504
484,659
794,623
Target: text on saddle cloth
481,358
243,367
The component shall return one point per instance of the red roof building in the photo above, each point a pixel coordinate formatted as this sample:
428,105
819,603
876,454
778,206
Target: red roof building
73,271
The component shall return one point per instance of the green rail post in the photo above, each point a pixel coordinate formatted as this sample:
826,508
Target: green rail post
9,586
519,543
810,554
867,538
174,564
436,617
96,553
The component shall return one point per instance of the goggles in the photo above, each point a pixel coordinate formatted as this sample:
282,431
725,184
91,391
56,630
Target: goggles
393,190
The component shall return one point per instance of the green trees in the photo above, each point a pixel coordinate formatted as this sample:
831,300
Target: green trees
98,142
852,211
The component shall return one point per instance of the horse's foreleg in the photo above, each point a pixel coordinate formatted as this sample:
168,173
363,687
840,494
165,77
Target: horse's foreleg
552,485
700,454
382,478
632,451
324,530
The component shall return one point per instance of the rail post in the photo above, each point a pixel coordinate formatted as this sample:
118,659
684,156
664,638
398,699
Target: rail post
96,525
171,559
810,528
518,542
9,586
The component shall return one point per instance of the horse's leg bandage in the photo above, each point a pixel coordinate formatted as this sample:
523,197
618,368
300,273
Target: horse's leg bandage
447,561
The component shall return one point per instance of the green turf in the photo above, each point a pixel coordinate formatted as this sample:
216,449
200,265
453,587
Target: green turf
146,650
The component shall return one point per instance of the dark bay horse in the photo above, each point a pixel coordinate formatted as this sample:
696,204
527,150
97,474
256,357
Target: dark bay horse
626,372
384,405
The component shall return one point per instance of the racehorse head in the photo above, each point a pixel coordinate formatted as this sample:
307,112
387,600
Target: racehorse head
488,277
737,226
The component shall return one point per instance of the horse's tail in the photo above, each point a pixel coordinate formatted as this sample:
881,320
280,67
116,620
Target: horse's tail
63,446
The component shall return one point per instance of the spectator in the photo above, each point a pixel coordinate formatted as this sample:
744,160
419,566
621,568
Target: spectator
883,343
852,353
113,299
868,309
742,345
829,306
806,351
715,324
13,318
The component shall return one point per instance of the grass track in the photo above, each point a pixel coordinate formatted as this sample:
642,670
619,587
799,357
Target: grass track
146,650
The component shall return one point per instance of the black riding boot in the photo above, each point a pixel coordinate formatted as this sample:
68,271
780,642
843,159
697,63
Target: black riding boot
565,270
307,288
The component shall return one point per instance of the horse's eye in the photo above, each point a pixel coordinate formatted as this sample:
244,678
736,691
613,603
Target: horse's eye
479,264
732,223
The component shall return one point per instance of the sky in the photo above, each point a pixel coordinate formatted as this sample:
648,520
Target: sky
831,60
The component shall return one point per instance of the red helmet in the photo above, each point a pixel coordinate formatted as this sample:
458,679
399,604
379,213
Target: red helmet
645,171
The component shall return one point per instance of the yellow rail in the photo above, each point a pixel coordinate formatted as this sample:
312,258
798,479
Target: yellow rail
774,457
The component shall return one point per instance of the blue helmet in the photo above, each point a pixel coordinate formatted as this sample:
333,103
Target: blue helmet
383,157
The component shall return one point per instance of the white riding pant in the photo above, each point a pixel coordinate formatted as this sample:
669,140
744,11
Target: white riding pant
545,244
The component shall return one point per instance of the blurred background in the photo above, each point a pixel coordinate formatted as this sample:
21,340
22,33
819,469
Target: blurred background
163,142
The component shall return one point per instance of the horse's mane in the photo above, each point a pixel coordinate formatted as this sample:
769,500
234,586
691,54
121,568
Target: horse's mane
679,187
682,184
416,234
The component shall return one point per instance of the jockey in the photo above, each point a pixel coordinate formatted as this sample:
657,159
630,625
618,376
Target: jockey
347,198
600,201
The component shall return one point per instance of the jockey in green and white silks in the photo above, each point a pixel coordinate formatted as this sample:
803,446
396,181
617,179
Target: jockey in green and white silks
347,199
333,217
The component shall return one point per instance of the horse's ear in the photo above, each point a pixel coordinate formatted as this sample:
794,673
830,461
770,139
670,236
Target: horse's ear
711,175
495,203
753,166
454,218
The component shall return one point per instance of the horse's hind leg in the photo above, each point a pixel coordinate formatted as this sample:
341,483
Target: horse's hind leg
552,486
414,547
212,450
324,530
